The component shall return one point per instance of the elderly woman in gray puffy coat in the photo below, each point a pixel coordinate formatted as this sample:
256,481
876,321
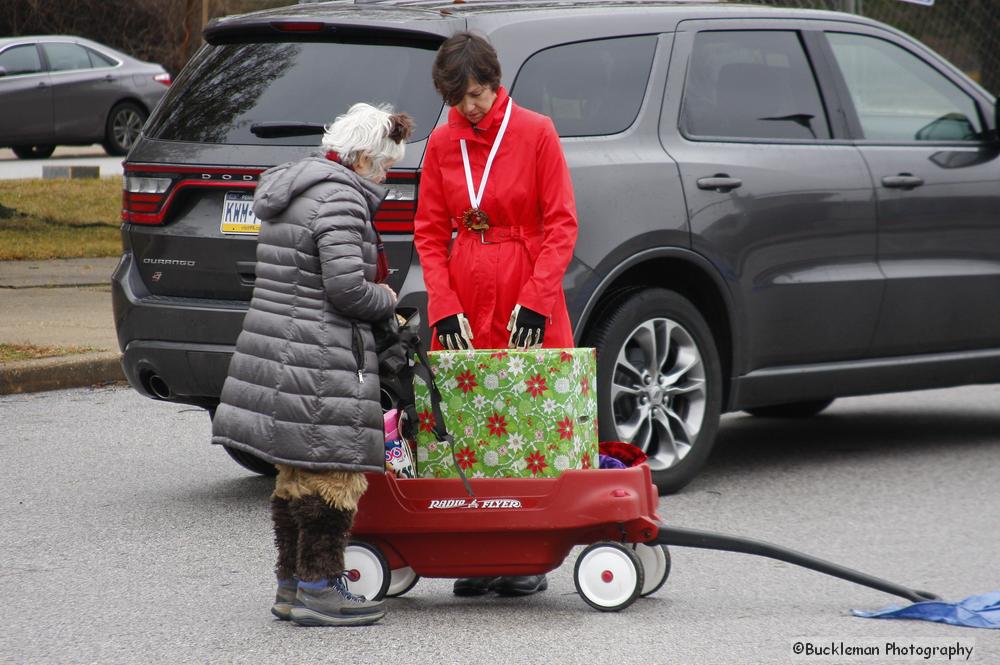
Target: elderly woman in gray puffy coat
303,386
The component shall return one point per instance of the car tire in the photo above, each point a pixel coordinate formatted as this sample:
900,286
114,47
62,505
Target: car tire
43,151
245,459
123,126
669,407
792,410
251,462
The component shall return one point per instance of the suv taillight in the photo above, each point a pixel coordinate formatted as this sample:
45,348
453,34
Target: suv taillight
143,197
149,189
400,206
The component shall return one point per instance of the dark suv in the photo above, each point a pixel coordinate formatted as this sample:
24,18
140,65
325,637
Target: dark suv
777,207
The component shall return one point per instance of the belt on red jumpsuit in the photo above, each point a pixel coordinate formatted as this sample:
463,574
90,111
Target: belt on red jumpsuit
498,234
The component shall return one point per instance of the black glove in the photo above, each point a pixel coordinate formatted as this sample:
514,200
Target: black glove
527,328
454,332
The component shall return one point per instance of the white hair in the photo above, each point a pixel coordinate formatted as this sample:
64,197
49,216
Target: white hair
364,130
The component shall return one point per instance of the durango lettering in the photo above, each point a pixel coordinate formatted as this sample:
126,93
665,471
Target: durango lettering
170,262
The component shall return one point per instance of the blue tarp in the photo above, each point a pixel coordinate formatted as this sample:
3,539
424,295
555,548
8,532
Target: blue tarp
982,611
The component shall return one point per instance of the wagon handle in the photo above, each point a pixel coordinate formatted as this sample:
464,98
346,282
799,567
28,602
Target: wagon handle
716,541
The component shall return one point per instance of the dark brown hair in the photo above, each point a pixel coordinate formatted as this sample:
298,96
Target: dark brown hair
400,127
462,57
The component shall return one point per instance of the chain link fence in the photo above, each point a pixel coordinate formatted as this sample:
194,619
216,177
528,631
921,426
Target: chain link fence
966,32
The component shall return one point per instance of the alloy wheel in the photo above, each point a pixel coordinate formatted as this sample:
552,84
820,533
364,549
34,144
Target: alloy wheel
126,127
658,391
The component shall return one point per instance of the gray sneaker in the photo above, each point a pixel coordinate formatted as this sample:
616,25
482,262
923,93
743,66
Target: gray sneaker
284,600
334,606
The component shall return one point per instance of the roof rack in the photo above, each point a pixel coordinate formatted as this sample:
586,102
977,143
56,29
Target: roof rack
503,2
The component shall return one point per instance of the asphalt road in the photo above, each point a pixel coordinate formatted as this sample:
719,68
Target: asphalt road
13,168
126,538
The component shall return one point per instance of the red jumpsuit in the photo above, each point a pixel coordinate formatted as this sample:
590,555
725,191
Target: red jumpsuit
532,217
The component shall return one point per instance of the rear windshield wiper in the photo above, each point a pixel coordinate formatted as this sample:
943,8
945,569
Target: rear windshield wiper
278,130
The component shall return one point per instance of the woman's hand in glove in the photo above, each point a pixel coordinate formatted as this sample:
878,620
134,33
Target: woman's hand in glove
454,332
527,328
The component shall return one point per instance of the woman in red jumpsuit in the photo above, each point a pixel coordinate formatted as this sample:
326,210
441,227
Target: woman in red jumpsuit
500,284
496,173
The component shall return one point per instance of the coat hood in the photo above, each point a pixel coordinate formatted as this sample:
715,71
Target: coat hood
279,185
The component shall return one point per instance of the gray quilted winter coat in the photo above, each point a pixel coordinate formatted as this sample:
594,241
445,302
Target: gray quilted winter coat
303,385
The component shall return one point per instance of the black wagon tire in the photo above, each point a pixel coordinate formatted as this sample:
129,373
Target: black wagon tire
123,126
367,570
245,459
401,581
659,382
791,410
608,576
656,566
43,151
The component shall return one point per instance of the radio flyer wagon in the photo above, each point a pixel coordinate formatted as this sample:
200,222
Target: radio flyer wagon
425,527
408,528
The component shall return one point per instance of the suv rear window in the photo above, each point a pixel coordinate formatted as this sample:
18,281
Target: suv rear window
228,88
588,88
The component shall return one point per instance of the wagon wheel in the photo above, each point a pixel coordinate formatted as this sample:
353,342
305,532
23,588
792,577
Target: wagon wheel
366,570
608,576
401,581
656,565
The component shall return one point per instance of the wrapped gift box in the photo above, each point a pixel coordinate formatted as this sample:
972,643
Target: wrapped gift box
512,413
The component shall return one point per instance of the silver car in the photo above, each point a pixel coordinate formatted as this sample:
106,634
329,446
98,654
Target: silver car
69,90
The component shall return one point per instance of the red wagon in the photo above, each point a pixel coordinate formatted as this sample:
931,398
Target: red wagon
411,528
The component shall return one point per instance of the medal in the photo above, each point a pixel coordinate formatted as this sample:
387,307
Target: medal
475,219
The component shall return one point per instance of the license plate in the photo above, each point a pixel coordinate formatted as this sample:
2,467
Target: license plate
237,215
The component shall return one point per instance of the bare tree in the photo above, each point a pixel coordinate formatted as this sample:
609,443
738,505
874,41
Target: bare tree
164,31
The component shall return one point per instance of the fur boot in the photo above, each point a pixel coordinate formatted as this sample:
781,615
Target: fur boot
286,538
323,534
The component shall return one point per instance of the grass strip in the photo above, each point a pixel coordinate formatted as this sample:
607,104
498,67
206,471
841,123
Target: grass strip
13,352
60,219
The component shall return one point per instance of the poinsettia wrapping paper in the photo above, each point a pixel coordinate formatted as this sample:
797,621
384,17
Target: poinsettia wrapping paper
513,414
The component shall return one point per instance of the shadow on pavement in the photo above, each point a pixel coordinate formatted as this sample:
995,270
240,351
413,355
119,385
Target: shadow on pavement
242,492
893,431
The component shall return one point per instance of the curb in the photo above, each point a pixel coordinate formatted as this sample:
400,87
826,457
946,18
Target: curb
53,284
80,371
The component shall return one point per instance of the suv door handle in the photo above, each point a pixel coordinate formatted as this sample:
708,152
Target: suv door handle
902,181
720,182
247,272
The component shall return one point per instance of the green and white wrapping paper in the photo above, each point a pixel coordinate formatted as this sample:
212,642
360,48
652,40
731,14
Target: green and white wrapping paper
513,414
